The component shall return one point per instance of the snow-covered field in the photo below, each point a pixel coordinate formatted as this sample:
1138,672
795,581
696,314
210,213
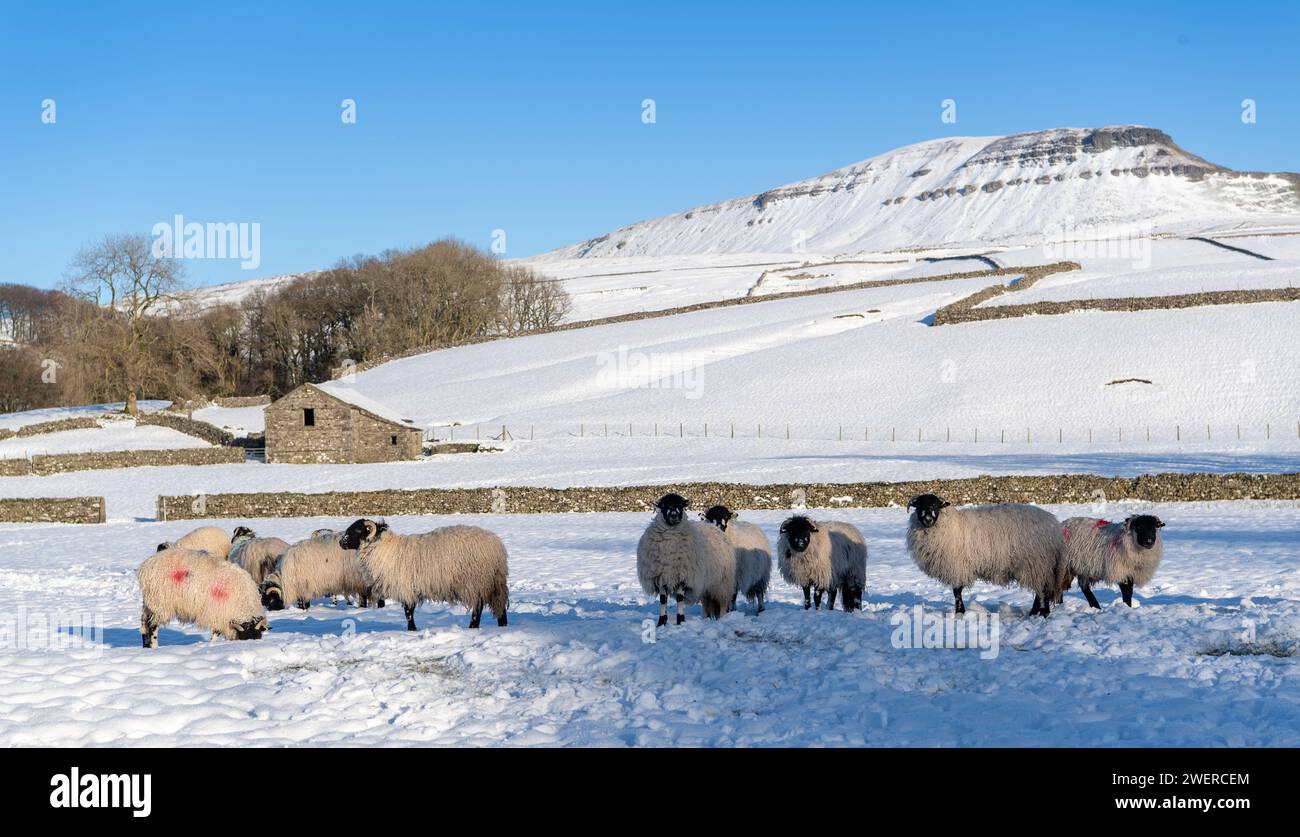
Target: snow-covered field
1207,658
13,421
116,436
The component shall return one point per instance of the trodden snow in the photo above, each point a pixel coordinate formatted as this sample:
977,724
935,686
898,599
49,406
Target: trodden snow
1206,658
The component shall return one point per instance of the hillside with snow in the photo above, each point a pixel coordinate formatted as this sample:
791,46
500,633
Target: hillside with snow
966,191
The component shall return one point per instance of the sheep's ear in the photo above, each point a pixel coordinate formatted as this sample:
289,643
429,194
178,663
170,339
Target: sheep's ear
785,526
1160,524
945,504
812,527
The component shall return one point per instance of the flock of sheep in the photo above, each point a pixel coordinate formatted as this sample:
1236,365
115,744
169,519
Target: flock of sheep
226,584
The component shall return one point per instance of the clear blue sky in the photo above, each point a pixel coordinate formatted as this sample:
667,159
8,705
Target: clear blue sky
526,117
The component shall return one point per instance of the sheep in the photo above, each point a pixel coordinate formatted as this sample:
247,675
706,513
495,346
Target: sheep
192,586
209,539
692,561
999,544
753,554
256,555
1125,554
823,557
318,566
451,564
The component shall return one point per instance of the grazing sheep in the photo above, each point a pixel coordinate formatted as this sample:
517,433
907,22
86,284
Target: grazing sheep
452,564
1125,554
209,539
753,554
999,544
256,555
192,586
318,566
694,562
826,557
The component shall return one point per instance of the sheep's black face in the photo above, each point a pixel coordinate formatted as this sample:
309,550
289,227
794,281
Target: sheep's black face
242,532
250,629
272,596
798,532
927,509
1145,529
719,516
363,531
672,507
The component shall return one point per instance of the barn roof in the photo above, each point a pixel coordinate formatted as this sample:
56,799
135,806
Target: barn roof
345,393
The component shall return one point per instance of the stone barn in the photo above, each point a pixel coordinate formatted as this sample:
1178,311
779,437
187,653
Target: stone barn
314,424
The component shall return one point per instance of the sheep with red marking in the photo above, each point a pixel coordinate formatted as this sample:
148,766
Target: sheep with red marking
194,587
1124,554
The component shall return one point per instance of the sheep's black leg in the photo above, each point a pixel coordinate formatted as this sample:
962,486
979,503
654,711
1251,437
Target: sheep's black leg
304,604
681,609
1038,605
856,601
1087,594
1047,605
762,603
409,610
475,616
817,599
830,605
663,610
1126,590
501,620
148,628
807,598
379,602
956,595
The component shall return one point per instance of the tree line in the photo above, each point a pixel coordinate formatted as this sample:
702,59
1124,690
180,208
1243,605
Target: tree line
121,327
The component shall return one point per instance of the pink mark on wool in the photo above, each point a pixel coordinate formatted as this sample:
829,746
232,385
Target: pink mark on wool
219,592
1115,543
1101,524
179,574
1065,532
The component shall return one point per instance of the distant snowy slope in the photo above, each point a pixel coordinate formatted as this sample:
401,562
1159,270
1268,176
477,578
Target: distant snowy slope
966,190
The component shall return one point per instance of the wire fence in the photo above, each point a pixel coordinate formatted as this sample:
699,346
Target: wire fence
1155,434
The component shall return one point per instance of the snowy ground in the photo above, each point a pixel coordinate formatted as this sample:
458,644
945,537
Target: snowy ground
1208,658
13,421
116,436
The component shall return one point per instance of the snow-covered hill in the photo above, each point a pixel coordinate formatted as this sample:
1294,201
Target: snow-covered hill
972,190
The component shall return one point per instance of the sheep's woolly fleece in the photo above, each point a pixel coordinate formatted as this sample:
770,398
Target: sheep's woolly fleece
1208,657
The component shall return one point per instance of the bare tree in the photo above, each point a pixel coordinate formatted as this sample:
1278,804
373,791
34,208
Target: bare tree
131,284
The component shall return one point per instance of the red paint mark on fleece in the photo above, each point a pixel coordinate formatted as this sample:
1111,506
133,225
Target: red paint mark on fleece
1065,532
219,592
1115,544
1101,524
179,575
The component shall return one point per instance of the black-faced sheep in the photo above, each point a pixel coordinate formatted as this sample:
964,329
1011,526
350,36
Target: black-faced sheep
1000,544
318,566
195,587
256,555
686,559
1124,554
452,564
753,554
823,557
